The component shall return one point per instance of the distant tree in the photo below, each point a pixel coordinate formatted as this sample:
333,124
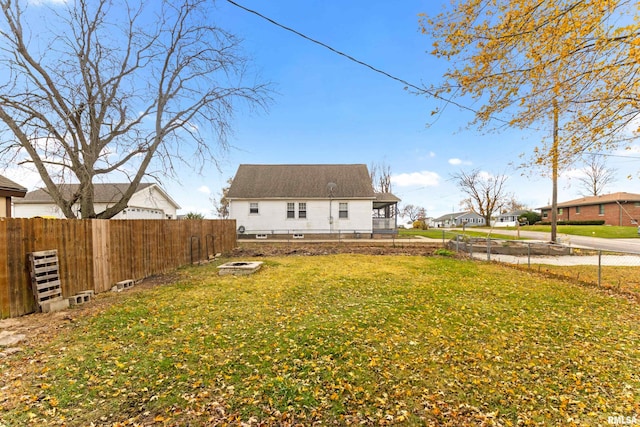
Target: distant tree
486,192
513,205
414,213
531,217
221,205
380,177
420,224
193,215
381,181
597,176
129,87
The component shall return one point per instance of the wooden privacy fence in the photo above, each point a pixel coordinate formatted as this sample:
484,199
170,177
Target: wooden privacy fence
96,254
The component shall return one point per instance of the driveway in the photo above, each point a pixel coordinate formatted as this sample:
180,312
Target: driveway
620,245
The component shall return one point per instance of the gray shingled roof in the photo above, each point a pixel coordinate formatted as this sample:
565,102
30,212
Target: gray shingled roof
103,193
8,186
301,181
596,200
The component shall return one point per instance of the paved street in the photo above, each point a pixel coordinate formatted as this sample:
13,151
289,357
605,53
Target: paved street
622,245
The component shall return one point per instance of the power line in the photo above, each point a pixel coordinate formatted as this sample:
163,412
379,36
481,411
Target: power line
357,61
377,70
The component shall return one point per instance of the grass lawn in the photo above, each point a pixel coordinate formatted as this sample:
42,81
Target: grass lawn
604,231
338,339
438,233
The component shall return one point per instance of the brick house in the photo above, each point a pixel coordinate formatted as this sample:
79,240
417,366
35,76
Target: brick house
615,209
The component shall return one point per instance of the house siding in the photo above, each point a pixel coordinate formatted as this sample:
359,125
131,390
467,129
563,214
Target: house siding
148,203
622,214
272,216
150,198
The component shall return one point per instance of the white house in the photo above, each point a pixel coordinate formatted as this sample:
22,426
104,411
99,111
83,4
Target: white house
460,219
149,201
508,219
9,189
309,199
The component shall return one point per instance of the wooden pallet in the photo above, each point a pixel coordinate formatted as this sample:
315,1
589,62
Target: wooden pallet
45,280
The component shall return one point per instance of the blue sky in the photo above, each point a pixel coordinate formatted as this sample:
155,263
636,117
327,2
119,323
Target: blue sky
328,109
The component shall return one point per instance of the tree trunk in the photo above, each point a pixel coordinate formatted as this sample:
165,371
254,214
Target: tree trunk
554,175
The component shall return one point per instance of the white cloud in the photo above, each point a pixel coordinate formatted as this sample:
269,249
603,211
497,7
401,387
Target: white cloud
204,189
424,178
632,150
573,173
456,162
28,178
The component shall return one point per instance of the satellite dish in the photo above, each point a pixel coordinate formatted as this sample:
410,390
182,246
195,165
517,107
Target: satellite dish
241,229
331,187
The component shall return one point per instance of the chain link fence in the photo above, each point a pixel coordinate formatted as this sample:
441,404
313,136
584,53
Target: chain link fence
619,271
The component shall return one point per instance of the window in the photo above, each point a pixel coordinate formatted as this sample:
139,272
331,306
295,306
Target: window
545,214
291,210
560,211
577,209
601,209
302,210
343,210
253,208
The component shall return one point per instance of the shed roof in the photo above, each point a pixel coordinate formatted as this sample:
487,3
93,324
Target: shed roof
11,188
352,181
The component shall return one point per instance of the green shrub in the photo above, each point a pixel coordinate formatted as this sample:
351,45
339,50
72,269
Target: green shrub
443,252
591,222
420,224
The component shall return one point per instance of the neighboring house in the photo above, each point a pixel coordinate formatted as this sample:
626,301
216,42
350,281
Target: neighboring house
509,219
460,219
311,199
9,189
149,201
614,209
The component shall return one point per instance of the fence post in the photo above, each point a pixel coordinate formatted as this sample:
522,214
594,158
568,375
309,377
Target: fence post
488,249
457,244
529,255
443,237
599,268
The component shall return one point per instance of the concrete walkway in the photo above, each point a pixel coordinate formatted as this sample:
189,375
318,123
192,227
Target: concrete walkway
606,260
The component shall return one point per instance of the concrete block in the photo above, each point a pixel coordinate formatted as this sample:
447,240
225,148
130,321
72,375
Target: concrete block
56,304
122,285
81,298
75,300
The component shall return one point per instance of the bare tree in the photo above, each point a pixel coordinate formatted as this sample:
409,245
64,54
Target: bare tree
381,181
111,87
511,204
597,176
221,206
414,213
381,177
486,192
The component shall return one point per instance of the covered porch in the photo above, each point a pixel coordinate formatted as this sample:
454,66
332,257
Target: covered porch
385,214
